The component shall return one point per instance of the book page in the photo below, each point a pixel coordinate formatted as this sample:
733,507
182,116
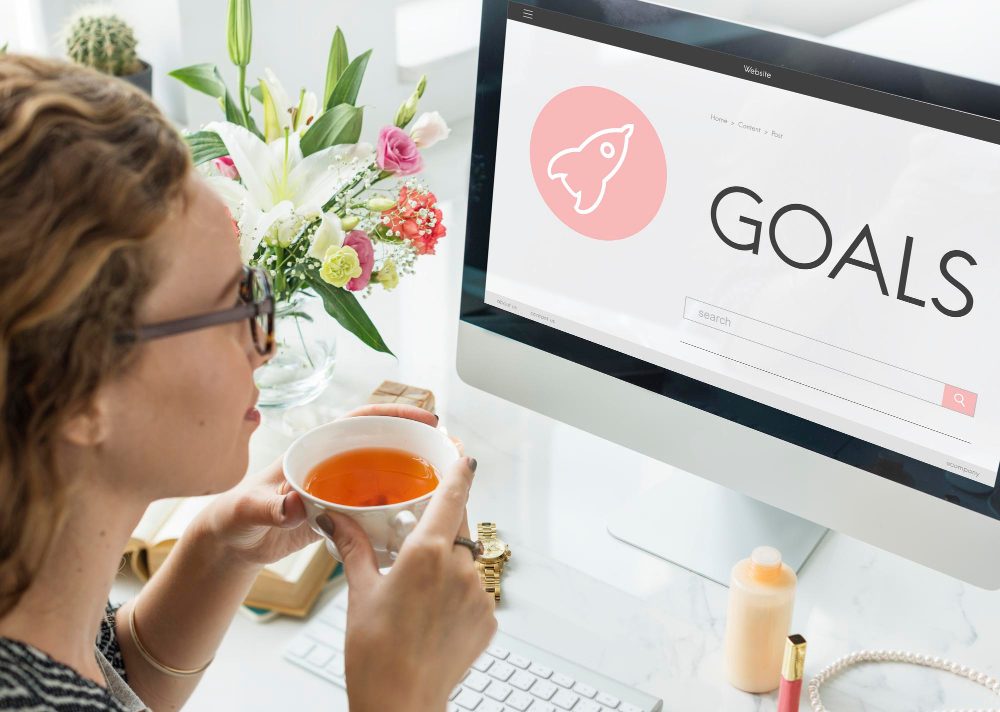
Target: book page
186,510
293,566
153,519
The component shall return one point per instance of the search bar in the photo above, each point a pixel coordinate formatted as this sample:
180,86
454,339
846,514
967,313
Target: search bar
830,356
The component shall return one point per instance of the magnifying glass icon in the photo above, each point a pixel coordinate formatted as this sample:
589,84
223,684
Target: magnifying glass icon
960,399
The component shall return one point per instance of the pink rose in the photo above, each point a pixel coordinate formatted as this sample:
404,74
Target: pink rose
226,167
397,153
358,239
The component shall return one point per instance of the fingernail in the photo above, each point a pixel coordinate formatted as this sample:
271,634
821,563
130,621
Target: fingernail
437,418
326,524
473,464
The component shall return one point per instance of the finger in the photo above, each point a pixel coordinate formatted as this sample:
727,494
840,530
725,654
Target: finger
446,509
463,530
355,549
294,510
396,410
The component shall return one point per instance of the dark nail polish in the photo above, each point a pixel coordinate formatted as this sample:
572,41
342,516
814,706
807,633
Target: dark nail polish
473,464
326,524
437,418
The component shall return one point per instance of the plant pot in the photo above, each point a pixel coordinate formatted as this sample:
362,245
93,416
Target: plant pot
143,79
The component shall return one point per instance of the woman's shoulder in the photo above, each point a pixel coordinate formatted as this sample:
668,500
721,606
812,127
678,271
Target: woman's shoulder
32,680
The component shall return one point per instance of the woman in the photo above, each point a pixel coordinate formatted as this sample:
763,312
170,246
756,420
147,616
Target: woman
105,229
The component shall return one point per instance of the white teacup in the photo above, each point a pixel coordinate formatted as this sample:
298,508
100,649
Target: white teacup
387,525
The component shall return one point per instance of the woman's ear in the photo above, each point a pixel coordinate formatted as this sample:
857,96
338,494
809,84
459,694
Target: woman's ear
89,425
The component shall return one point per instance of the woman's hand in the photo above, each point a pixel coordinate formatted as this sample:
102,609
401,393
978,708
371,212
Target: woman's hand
262,520
412,633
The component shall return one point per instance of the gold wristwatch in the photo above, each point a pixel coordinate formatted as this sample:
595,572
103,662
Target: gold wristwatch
491,562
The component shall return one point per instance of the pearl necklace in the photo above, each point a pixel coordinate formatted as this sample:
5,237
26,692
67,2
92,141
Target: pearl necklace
897,656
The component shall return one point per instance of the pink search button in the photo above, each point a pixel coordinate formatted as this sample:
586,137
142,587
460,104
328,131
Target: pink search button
959,400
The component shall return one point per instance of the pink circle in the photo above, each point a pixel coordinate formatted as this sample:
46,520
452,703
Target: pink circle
598,163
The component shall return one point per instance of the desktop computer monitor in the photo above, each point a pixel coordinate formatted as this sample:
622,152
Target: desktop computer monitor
771,263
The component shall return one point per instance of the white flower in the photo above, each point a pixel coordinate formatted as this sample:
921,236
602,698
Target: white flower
293,113
429,129
329,234
276,182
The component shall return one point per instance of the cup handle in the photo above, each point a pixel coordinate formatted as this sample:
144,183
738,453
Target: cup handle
402,524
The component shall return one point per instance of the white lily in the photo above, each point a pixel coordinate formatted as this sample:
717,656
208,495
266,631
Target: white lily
280,190
281,113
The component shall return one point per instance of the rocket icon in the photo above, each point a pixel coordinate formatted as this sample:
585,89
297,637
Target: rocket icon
585,170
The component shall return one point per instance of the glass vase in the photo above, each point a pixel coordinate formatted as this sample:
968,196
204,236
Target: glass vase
305,354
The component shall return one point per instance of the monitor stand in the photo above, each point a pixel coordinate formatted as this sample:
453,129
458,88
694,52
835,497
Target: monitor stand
706,528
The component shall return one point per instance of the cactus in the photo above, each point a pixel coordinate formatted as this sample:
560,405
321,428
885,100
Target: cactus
105,43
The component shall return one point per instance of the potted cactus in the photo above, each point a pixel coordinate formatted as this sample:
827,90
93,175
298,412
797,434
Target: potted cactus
105,42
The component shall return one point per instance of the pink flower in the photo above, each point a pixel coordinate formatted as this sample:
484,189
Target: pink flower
358,239
397,153
226,167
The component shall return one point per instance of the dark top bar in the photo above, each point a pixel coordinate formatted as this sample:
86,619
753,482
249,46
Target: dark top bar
898,107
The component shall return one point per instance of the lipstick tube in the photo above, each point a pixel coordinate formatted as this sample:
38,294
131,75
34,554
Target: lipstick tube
792,667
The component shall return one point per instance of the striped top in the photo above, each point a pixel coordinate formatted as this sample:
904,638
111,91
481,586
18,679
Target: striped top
31,680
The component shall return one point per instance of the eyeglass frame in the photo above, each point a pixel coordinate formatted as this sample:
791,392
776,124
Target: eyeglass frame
249,310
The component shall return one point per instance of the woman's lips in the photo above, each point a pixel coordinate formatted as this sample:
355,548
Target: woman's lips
253,415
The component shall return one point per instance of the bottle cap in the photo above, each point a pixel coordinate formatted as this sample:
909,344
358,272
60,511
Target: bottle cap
765,563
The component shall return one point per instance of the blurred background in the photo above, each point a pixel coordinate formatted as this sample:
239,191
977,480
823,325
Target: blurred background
436,37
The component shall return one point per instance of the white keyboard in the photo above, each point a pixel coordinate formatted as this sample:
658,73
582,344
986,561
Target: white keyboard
510,676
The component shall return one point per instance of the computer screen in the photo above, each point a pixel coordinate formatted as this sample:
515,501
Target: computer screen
813,255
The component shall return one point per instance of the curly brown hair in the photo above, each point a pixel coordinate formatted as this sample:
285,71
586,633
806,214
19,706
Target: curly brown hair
89,168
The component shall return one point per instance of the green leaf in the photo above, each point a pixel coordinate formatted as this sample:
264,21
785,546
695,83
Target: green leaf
343,306
202,77
256,93
336,64
341,124
205,145
349,84
207,79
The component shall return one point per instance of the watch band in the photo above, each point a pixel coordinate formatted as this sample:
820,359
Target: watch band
489,573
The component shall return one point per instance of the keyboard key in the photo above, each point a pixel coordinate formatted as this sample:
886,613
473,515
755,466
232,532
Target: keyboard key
543,689
482,663
501,671
498,691
540,670
498,652
467,699
563,680
489,706
540,706
587,706
519,701
336,666
320,656
519,661
337,617
476,681
584,690
301,647
608,700
566,699
522,680
458,688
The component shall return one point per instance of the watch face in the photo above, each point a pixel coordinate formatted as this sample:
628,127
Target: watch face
493,550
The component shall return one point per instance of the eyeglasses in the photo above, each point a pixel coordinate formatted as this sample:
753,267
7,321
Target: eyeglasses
257,306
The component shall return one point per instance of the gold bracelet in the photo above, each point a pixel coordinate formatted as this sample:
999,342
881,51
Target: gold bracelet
165,669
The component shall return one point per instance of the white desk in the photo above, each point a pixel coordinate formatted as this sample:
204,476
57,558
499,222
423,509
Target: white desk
574,589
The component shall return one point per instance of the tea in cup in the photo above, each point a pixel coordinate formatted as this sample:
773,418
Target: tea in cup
379,470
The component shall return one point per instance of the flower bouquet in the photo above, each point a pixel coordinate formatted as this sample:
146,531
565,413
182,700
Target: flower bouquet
324,213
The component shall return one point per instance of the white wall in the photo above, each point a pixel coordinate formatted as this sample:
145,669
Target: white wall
293,38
